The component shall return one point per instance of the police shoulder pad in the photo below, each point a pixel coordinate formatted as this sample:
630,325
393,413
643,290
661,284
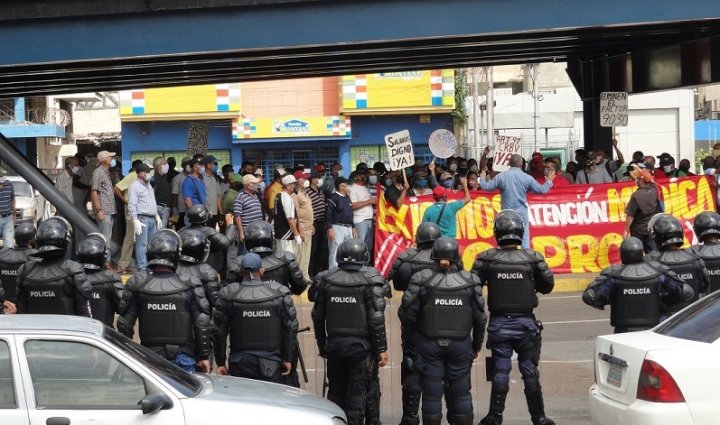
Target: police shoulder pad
710,252
679,256
471,277
612,270
405,255
486,255
275,286
421,277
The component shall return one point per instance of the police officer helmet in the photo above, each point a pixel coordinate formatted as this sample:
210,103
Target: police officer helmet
198,214
707,223
353,251
631,251
93,252
667,231
426,234
445,248
53,238
164,249
508,228
195,246
24,234
259,237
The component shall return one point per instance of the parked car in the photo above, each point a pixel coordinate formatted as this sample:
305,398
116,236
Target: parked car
29,204
665,375
59,370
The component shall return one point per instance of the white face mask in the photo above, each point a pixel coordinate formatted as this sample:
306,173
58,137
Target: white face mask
372,179
710,172
474,168
667,168
188,169
164,169
75,169
306,183
320,182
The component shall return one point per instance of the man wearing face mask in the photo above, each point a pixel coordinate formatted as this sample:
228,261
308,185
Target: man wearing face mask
328,186
550,165
305,220
642,206
246,209
444,213
319,249
212,189
397,188
684,168
102,196
163,189
593,173
142,208
708,164
287,232
420,184
176,196
362,203
64,182
667,166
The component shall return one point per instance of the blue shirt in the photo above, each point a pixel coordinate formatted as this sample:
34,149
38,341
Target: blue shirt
194,189
448,222
7,195
514,186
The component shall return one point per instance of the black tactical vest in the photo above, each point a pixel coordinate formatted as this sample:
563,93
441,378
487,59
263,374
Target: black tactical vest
101,304
636,298
686,266
710,254
48,288
446,311
345,303
10,261
275,269
256,323
511,287
163,311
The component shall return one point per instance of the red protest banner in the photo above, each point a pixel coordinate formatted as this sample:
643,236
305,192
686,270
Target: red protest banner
578,228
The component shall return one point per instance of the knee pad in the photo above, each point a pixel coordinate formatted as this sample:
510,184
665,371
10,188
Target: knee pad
432,387
458,397
531,377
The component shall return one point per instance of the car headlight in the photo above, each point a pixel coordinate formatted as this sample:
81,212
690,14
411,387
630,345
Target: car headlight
338,421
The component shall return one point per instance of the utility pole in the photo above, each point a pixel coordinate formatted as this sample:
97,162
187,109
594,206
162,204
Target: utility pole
476,132
536,104
490,106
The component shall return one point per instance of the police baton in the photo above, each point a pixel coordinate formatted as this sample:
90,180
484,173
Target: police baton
300,356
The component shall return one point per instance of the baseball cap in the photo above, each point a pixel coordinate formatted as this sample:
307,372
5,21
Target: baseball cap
251,262
289,179
445,176
258,171
249,179
666,159
195,160
439,192
103,155
537,155
210,159
142,168
300,174
316,174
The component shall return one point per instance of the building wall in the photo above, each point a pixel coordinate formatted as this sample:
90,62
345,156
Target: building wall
306,97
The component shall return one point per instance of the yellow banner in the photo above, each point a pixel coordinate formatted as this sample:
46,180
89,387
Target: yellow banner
196,101
421,91
291,127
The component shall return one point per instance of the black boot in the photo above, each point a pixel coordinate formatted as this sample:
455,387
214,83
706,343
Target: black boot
431,419
411,405
355,419
372,410
463,419
497,406
536,407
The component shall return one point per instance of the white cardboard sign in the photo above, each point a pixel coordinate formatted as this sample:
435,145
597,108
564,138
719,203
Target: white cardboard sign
505,147
400,150
613,109
442,143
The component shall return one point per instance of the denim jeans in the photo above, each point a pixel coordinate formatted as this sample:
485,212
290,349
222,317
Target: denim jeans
164,213
7,229
365,232
106,226
342,234
141,240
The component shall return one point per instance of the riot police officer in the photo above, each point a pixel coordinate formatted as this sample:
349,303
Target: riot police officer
194,253
707,230
107,286
172,311
445,310
53,285
261,320
198,216
407,264
10,261
513,276
667,232
349,320
635,289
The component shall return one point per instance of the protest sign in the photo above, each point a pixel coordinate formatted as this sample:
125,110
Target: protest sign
613,109
442,143
505,147
400,150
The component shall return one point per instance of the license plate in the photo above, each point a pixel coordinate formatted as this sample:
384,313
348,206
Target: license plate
614,376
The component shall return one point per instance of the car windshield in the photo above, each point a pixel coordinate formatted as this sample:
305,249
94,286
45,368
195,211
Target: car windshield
22,189
182,381
699,322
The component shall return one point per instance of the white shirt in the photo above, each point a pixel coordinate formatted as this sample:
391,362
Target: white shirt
358,193
176,185
288,204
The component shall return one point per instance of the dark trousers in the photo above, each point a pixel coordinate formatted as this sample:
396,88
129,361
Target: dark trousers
293,379
648,243
255,367
514,334
319,250
348,370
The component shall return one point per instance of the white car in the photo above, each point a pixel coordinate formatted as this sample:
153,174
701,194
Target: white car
29,204
667,375
61,370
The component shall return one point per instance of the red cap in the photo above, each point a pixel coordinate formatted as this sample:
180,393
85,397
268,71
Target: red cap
536,155
299,174
439,192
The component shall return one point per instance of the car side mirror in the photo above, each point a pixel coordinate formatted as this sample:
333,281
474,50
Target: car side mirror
154,402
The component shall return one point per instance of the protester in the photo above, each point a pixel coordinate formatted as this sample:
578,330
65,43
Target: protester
121,193
142,209
176,196
396,189
193,187
338,220
319,249
103,201
212,189
7,212
551,165
362,204
444,213
64,182
305,221
162,184
287,233
593,173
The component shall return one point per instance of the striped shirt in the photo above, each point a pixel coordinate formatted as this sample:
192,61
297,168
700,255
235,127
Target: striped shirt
64,184
6,198
102,184
318,202
247,207
141,199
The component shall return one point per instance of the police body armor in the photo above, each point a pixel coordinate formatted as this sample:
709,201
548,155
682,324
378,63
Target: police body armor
710,254
446,311
219,245
413,261
346,310
104,286
203,273
685,265
10,261
511,286
163,312
49,288
636,298
256,323
277,268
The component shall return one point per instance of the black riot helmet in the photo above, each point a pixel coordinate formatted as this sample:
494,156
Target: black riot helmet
508,228
53,238
445,248
198,214
631,251
667,232
164,249
259,237
426,234
353,251
93,252
24,234
707,223
195,246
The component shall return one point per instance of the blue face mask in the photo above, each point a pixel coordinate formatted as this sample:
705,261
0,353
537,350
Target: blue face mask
113,163
388,182
215,169
447,183
422,183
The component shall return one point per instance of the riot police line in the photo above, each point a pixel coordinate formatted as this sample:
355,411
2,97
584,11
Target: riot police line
248,325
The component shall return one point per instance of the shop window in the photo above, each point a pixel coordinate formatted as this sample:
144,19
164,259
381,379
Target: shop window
289,157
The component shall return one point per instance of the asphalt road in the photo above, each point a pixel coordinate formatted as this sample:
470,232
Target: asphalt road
566,365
